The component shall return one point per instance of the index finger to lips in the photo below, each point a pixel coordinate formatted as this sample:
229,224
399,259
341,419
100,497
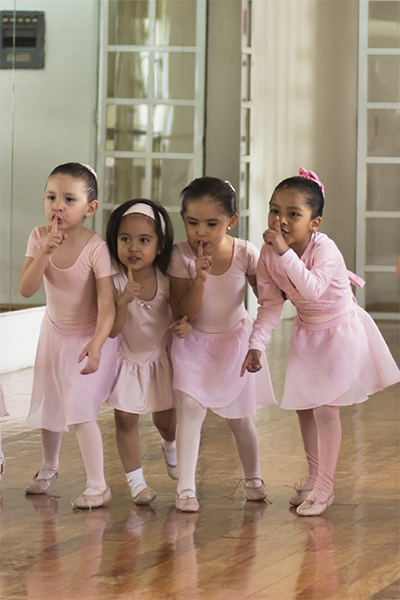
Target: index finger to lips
54,225
201,249
130,276
277,224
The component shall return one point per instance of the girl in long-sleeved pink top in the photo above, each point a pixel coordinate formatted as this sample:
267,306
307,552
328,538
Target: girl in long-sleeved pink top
337,355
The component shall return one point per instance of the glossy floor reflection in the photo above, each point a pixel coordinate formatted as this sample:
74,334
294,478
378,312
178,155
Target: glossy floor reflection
231,549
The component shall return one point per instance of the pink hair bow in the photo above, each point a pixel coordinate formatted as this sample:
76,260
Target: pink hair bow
313,177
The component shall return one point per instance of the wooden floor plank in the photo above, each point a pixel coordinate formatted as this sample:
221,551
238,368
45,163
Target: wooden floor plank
230,550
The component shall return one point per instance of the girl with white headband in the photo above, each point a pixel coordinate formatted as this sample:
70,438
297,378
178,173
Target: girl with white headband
76,268
140,236
337,354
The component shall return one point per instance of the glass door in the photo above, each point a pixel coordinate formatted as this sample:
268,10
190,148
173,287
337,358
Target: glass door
151,102
378,160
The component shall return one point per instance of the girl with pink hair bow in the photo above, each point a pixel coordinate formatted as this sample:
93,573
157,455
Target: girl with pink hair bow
337,354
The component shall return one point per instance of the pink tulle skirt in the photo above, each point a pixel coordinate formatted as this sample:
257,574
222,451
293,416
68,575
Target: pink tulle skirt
142,389
61,396
3,410
340,362
208,370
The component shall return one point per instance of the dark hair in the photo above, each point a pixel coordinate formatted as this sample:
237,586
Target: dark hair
165,241
310,189
81,172
212,187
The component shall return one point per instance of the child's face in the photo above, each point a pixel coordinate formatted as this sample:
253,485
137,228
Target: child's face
206,223
295,218
65,199
137,242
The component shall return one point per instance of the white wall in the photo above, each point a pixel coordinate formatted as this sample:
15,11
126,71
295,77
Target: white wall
47,118
19,334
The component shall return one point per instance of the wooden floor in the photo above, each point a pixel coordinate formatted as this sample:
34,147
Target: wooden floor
230,550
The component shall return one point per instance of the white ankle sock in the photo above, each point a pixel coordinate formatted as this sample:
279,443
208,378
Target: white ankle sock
136,481
170,452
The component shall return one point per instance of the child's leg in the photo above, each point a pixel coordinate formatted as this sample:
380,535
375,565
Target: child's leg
41,483
165,421
91,446
190,421
327,419
329,427
51,443
128,444
309,434
245,435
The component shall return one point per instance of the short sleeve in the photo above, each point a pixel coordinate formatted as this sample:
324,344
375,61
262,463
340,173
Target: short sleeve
36,241
179,265
100,259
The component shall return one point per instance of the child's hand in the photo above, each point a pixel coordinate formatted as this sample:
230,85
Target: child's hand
251,362
181,328
92,352
54,238
132,289
273,237
203,264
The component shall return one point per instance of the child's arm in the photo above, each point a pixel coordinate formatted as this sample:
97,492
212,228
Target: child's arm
131,291
34,267
181,327
270,301
188,296
105,321
252,279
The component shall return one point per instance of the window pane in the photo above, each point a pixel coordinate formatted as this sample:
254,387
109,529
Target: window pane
384,25
383,187
174,75
244,185
128,22
173,129
246,77
169,178
383,241
176,23
384,78
125,179
128,74
126,128
382,292
246,18
383,132
179,227
245,132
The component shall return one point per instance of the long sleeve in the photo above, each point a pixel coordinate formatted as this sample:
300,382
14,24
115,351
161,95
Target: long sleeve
312,282
270,299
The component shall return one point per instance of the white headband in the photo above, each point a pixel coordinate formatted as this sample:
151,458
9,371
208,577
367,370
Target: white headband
144,209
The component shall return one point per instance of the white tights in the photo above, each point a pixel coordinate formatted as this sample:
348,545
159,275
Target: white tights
91,446
190,421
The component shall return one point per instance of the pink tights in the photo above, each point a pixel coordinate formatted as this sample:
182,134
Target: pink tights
190,421
321,431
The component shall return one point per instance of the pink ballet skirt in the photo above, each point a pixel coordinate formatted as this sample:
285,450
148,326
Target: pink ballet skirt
143,380
339,362
3,409
207,368
61,396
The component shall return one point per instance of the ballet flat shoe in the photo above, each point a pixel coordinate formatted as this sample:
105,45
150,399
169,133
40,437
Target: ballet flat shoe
172,470
312,508
40,486
144,497
256,494
186,503
300,497
92,500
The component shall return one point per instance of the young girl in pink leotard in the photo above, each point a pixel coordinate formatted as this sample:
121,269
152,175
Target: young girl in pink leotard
139,236
77,271
209,273
337,354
